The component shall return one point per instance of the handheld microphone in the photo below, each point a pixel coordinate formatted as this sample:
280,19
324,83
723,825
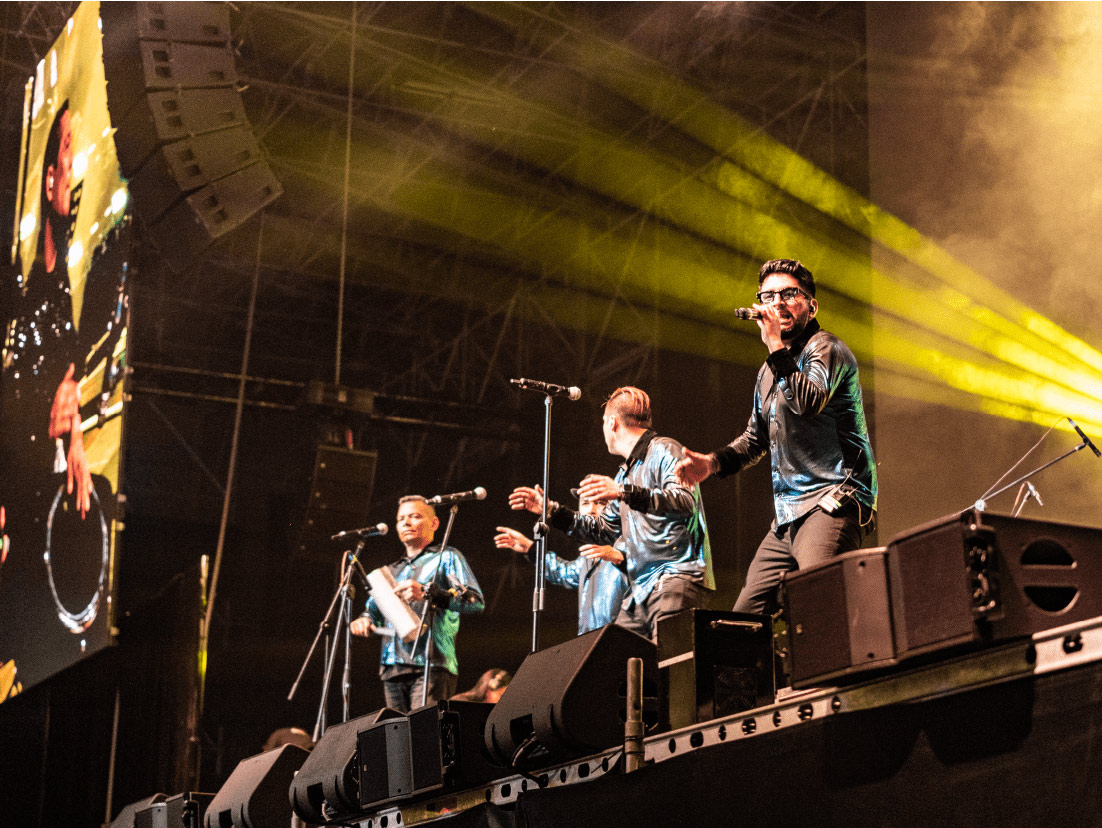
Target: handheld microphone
477,493
747,313
573,392
1086,440
366,532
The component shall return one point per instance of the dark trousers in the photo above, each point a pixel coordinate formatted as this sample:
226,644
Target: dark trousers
673,594
403,692
814,538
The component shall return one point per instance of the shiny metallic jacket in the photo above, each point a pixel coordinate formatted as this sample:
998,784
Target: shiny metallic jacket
809,417
601,587
661,522
449,571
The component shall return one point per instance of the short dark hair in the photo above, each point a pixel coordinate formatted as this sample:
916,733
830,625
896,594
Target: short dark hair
793,267
630,404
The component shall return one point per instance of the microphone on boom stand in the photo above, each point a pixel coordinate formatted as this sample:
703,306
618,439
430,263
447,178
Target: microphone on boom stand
572,392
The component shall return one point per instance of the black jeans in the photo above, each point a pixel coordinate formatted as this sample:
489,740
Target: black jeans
403,692
673,594
814,538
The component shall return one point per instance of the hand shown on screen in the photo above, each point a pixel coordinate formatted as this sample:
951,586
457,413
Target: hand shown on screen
79,477
66,406
65,418
4,542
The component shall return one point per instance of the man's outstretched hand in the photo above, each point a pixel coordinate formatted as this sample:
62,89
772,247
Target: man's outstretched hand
507,538
527,497
695,468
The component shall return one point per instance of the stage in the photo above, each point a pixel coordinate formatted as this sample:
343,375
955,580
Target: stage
1007,736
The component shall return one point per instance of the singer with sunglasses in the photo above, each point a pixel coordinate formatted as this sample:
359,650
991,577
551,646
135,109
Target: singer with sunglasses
809,417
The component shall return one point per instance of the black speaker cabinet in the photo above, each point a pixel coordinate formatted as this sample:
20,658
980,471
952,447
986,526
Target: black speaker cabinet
180,811
980,577
326,788
194,167
125,816
255,795
839,619
570,700
713,664
438,747
960,582
340,496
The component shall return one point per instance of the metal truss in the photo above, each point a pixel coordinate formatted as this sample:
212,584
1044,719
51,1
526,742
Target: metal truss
418,334
797,69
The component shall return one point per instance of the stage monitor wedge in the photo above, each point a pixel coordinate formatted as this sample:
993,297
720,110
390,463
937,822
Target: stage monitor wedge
570,700
125,816
326,787
255,795
434,748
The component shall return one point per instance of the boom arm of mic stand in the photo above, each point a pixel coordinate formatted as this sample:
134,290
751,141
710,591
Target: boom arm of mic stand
981,504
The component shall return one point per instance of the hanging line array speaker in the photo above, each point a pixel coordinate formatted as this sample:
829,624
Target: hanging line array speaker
194,167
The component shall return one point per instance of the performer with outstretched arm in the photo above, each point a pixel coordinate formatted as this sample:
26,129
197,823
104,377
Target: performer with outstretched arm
660,519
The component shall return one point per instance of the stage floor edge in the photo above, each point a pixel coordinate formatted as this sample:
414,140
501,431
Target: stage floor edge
1051,651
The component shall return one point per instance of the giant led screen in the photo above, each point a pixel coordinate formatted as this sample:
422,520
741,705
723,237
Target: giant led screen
64,357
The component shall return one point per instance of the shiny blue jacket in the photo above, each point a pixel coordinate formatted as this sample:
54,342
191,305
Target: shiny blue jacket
449,570
661,522
809,416
601,587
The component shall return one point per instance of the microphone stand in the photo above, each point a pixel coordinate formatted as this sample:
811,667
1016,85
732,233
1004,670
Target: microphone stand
342,598
981,504
429,612
541,528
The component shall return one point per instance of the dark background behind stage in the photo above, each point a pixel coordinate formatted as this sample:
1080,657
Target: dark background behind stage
941,115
